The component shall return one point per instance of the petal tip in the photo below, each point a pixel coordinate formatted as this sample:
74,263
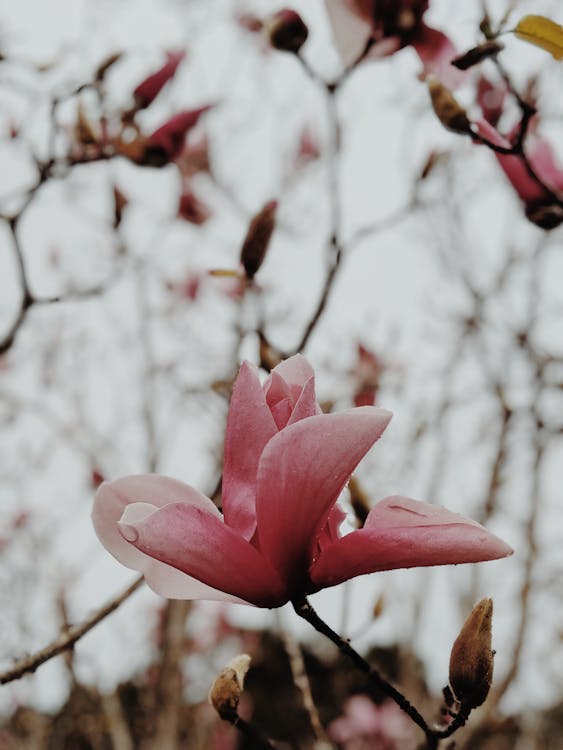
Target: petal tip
128,532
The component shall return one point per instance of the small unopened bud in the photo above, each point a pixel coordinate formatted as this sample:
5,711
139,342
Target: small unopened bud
287,31
258,236
471,659
448,110
227,688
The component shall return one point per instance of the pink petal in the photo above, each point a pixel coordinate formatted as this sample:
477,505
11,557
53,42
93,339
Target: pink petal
528,189
404,533
544,161
197,542
114,499
436,51
301,473
250,426
295,371
350,30
306,405
279,398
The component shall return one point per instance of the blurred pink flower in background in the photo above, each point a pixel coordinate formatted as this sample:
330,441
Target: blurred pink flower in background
285,465
367,726
392,25
541,157
149,88
366,374
192,209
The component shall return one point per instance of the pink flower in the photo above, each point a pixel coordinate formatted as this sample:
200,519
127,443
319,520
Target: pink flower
544,163
392,25
285,465
149,88
367,725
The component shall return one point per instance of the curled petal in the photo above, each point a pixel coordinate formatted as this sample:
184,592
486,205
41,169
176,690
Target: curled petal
198,543
148,492
404,533
301,473
250,426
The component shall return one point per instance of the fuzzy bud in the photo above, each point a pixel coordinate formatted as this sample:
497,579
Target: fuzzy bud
448,110
258,236
227,688
287,31
471,659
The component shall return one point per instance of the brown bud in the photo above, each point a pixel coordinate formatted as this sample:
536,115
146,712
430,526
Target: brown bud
226,690
546,217
448,110
287,31
475,55
258,238
471,659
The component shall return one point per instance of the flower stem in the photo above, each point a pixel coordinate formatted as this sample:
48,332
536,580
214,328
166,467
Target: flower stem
306,611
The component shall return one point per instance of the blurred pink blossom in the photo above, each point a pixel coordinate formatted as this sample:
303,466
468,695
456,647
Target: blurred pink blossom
366,374
367,726
285,465
150,87
192,209
170,136
542,159
392,25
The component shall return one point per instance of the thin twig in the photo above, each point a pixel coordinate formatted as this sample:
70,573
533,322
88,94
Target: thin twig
301,681
67,639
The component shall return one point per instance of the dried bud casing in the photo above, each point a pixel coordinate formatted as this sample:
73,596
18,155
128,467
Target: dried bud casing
258,236
287,31
448,110
226,690
471,659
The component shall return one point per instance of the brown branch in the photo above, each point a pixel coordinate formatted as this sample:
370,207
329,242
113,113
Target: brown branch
67,639
301,681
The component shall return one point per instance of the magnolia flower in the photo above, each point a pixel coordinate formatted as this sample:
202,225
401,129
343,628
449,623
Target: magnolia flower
540,205
391,25
285,465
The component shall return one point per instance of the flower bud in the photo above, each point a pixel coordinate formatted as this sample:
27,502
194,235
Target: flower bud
257,239
227,688
287,31
448,110
471,659
546,217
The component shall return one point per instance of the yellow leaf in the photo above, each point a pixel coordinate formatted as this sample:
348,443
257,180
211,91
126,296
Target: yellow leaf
543,33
